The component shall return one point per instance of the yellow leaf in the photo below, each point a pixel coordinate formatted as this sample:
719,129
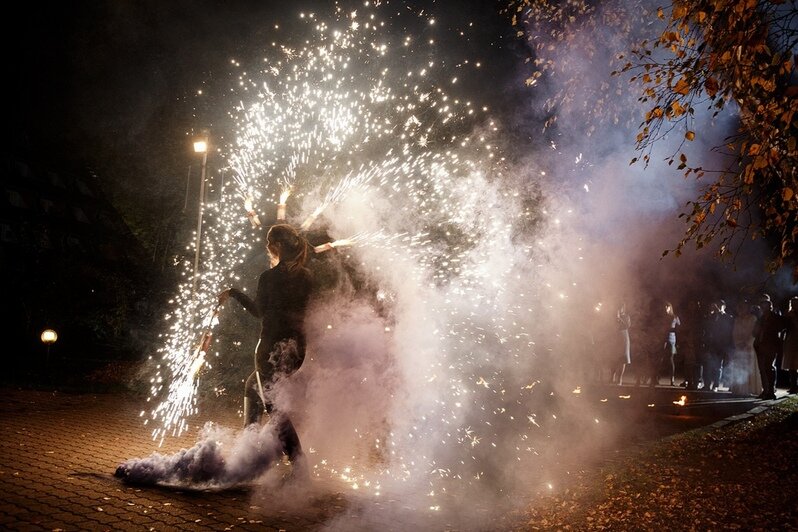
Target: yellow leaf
689,135
754,149
679,12
677,108
702,16
787,193
660,13
682,87
711,86
748,176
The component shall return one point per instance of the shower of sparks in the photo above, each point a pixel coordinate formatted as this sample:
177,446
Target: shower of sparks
353,114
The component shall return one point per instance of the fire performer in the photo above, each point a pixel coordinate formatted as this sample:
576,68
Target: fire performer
280,303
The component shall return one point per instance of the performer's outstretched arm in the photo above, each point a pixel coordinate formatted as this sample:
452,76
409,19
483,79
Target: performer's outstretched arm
247,302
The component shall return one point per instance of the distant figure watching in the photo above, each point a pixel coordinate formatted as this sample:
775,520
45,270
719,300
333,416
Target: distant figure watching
673,322
789,362
623,322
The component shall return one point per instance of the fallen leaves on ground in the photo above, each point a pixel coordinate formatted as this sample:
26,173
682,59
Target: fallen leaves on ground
742,476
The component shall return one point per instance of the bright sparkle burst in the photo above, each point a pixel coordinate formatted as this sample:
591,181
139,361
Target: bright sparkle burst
355,115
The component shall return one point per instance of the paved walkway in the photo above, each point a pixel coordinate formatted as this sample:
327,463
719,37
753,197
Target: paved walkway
58,453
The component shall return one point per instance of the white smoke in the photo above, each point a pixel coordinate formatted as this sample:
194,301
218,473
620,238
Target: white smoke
449,374
221,458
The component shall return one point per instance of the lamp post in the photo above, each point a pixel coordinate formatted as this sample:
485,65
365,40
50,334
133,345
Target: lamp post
48,338
200,146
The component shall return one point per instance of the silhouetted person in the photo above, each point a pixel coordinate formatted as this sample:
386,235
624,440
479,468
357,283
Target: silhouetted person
623,346
789,361
767,343
744,378
669,347
691,344
719,344
280,302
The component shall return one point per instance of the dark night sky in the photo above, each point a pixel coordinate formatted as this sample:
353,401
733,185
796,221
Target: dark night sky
114,74
113,82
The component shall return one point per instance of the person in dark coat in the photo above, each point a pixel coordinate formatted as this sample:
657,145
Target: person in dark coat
789,362
767,344
719,344
691,344
280,302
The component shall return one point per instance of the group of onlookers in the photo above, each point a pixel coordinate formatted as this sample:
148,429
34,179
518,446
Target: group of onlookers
714,348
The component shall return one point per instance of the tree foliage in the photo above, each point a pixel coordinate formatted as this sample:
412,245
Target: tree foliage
721,54
570,41
735,57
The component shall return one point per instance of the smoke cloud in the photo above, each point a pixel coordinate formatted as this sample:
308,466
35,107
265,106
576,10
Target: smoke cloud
449,369
219,459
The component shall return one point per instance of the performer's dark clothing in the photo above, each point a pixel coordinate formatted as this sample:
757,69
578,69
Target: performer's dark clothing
280,302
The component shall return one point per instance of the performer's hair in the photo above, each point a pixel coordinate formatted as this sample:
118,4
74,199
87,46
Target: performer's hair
293,246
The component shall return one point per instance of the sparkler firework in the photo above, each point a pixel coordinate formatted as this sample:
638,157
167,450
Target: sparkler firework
358,128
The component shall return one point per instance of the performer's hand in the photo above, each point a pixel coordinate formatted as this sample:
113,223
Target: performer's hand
224,296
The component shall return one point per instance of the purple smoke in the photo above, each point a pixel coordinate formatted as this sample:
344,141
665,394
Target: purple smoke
219,459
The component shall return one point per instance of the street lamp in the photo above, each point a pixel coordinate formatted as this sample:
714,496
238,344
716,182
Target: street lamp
200,146
48,337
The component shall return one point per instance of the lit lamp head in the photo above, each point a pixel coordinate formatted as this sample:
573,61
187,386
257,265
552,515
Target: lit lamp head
49,336
200,146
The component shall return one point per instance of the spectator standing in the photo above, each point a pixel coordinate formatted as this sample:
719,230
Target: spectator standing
719,344
767,344
667,351
690,344
789,361
744,378
670,342
624,348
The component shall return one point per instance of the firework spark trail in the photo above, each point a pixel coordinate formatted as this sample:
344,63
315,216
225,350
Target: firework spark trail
353,181
323,122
